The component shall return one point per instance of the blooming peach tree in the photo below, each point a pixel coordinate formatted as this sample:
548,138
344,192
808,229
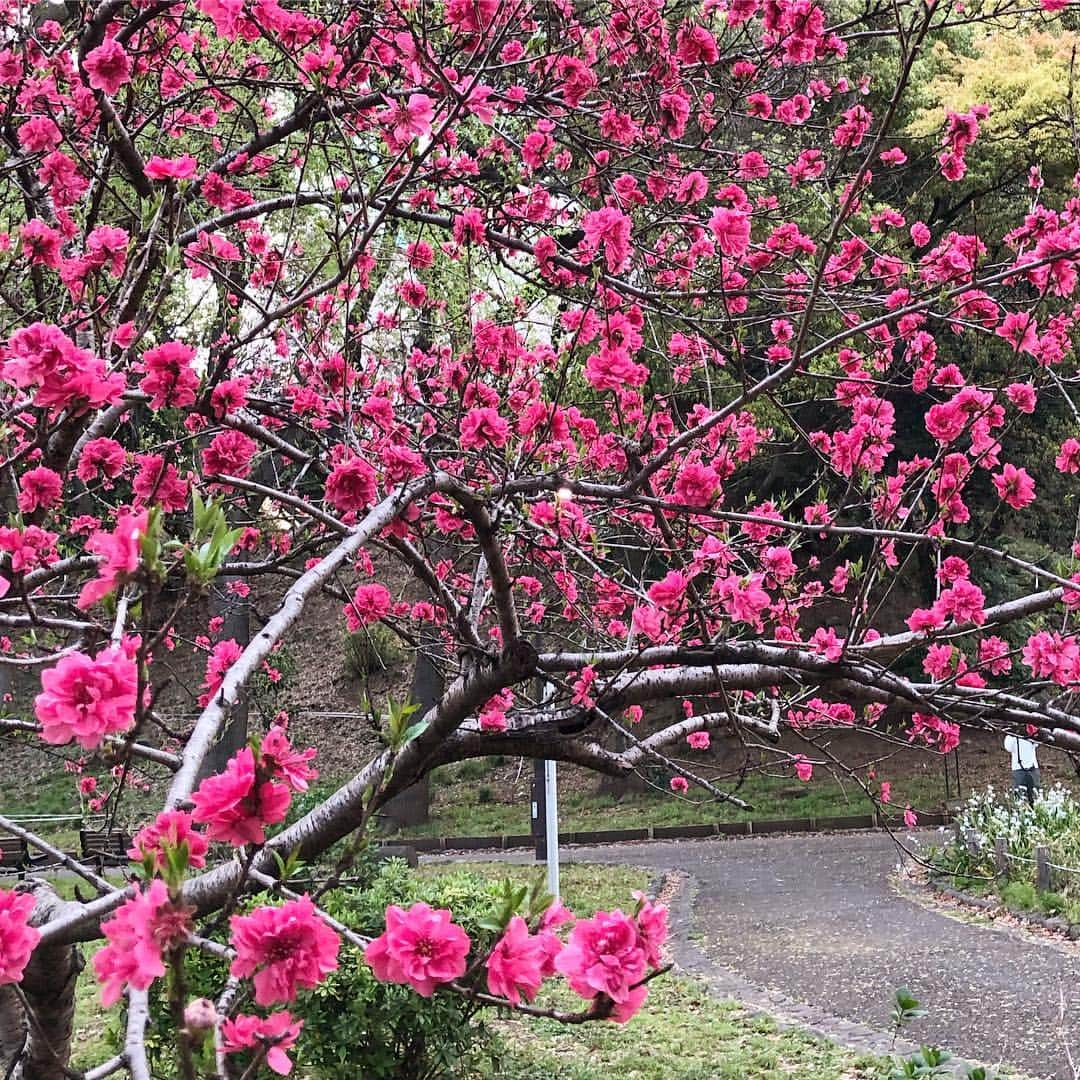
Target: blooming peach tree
608,355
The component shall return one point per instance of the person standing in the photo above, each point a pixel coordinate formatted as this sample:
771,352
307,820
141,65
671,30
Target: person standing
1025,765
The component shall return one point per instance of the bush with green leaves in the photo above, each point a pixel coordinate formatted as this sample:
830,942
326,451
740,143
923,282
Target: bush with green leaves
354,1025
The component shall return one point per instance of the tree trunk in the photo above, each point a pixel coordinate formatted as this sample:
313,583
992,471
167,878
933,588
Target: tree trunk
413,805
38,1046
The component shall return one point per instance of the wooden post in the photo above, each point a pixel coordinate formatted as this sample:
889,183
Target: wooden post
1044,873
1001,857
971,839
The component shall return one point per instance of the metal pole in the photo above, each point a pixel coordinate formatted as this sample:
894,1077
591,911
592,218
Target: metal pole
551,827
539,810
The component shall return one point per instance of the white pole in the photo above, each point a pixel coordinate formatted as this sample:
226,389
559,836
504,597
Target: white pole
551,827
551,813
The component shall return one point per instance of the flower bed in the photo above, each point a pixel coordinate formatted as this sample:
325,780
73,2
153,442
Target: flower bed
976,866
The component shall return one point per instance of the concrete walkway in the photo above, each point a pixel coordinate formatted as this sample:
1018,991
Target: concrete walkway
811,929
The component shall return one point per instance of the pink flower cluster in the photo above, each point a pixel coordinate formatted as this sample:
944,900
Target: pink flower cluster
610,953
237,804
86,698
284,948
604,960
17,937
420,947
121,553
170,832
146,925
278,1032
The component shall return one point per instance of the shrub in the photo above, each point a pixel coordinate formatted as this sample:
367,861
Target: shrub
1018,894
374,648
353,1024
1053,903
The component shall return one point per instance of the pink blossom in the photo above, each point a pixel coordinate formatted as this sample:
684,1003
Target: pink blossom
963,602
420,947
698,740
405,121
236,805
181,168
169,380
1014,486
229,454
351,485
39,488
285,763
994,655
680,785
108,66
669,592
1068,459
652,924
910,818
122,554
481,428
886,791
85,699
604,955
146,924
1020,330
515,966
285,948
369,604
17,938
38,134
609,229
804,768
224,654
1023,396
171,831
732,231
279,1031
697,485
100,457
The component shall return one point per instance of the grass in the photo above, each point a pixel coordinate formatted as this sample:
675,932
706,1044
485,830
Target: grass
461,810
682,1033
586,888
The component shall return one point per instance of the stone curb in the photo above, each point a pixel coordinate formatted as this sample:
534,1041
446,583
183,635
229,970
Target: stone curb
766,827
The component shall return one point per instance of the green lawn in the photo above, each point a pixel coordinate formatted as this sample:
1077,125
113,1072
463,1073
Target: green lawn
681,1033
463,807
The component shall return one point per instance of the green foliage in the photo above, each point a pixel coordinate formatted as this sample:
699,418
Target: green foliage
682,1033
370,649
905,1008
211,540
1025,77
1018,894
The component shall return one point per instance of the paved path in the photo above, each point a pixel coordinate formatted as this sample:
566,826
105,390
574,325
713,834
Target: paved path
811,929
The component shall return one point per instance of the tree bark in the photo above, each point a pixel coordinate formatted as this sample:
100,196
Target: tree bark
236,612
